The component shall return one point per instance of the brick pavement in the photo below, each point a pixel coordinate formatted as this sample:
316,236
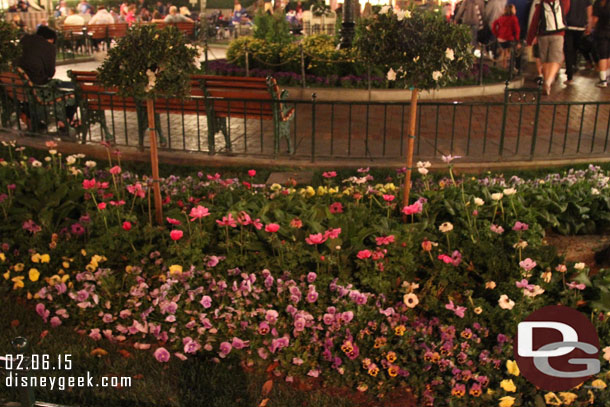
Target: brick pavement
379,131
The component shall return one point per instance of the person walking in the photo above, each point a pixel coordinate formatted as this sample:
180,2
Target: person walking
601,38
471,14
506,29
547,29
579,21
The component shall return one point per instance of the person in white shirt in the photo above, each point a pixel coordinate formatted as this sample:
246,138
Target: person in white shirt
73,18
102,17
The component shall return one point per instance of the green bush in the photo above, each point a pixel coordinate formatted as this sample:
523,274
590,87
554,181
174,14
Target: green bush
9,44
274,29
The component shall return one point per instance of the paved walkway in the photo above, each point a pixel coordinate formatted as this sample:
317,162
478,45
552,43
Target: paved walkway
471,128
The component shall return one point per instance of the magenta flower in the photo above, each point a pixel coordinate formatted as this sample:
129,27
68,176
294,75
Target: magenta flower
239,344
173,221
312,296
445,259
413,209
127,226
332,233
520,226
576,286
251,173
384,240
524,284
162,355
311,277
77,229
116,170
459,310
199,212
89,183
136,190
263,328
364,254
272,228
329,174
299,324
227,221
176,235
271,316
336,207
101,206
55,322
388,198
206,301
317,238
225,349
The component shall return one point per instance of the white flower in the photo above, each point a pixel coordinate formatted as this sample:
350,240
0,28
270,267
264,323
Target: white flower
407,14
479,202
70,159
424,164
384,10
449,54
535,291
607,353
400,14
47,159
90,164
436,75
520,245
391,75
497,196
422,171
579,266
416,59
445,227
152,79
52,152
505,302
594,191
36,163
510,191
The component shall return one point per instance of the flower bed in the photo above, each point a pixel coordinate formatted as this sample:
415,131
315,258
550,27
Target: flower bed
321,282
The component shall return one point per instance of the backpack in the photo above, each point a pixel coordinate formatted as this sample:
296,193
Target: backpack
552,19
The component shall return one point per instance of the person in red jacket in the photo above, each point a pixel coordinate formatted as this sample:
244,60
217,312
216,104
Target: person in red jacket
506,30
547,28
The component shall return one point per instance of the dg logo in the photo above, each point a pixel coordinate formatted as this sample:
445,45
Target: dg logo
557,348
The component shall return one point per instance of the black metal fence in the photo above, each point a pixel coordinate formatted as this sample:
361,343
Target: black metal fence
520,126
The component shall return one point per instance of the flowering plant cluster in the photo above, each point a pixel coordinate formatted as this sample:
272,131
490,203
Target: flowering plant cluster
9,44
322,283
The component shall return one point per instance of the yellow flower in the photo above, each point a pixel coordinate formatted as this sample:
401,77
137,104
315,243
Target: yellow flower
393,371
391,357
65,265
7,274
175,269
45,258
275,187
35,258
309,191
478,310
34,274
18,282
348,191
83,252
322,190
333,190
506,401
390,187
512,367
599,384
508,385
400,330
568,398
19,267
551,399
2,257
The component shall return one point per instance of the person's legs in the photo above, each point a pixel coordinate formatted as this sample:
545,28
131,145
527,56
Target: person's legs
603,50
570,46
551,53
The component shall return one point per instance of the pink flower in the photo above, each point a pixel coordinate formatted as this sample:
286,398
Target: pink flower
176,234
312,296
296,223
271,316
332,233
116,170
251,173
213,261
101,206
311,277
173,221
336,207
527,264
364,254
524,284
297,361
388,198
199,212
95,334
413,209
384,240
225,349
263,328
89,183
497,229
459,311
162,355
329,174
206,301
520,226
55,322
227,221
445,259
239,344
317,238
272,228
127,226
314,373
136,190
576,286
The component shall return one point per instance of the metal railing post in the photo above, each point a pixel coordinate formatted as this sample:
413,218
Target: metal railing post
26,393
535,130
504,114
303,78
247,59
481,67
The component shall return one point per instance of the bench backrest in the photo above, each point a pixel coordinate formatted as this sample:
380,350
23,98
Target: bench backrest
116,30
14,86
98,97
72,28
98,31
188,28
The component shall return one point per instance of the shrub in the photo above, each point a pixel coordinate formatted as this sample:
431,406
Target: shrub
10,49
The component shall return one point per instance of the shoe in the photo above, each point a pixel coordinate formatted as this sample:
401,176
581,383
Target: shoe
569,82
602,84
539,80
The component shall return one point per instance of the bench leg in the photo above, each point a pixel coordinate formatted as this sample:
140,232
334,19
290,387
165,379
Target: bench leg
221,125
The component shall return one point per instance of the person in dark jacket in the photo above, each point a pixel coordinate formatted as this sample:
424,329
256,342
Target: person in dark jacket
38,55
601,39
580,22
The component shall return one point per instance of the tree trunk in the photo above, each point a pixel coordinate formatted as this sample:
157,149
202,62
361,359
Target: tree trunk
410,147
154,160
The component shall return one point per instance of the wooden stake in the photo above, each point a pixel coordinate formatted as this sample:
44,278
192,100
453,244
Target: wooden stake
410,146
154,160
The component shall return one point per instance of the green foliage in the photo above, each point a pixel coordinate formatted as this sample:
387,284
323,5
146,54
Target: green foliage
148,62
9,44
420,46
272,28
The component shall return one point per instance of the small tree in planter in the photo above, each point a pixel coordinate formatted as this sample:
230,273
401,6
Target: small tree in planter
147,63
419,48
10,49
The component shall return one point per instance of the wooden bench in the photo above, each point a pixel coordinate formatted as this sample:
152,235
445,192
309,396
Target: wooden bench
219,98
188,28
36,103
